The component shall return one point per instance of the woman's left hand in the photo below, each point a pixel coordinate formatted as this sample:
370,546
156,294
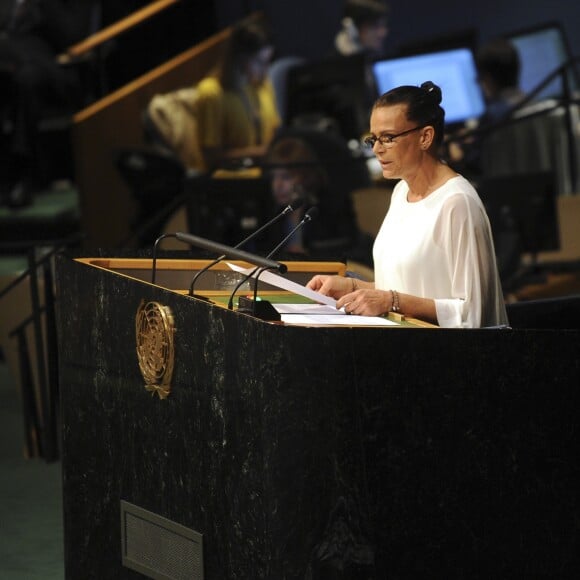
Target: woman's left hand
366,302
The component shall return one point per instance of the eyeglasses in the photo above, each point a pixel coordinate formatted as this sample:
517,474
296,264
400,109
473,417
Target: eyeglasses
386,138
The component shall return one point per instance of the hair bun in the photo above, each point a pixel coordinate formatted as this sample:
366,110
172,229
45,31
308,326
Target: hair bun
433,91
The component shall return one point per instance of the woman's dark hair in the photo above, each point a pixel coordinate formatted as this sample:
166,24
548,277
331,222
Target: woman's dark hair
247,39
365,11
423,105
299,157
500,61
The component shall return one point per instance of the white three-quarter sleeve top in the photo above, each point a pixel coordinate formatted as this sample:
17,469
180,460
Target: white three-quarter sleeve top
441,247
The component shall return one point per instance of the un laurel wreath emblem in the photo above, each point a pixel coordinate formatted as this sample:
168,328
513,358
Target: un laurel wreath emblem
154,335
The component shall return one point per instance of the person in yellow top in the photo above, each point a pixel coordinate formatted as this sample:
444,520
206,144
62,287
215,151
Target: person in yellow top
230,113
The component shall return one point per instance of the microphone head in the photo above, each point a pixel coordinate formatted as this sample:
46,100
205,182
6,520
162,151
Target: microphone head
311,213
293,205
296,203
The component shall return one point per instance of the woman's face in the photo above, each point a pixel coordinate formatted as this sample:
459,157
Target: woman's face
256,67
372,35
401,158
286,186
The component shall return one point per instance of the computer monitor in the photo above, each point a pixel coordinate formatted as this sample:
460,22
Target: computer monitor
542,50
332,88
452,70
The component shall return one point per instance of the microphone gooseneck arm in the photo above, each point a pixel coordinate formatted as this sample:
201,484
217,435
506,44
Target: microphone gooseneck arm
154,260
308,216
230,252
288,209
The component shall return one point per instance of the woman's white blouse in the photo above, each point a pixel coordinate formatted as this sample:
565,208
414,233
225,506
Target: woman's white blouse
441,247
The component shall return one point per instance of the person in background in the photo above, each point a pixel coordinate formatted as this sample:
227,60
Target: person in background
498,67
434,256
296,171
232,113
33,33
363,32
363,28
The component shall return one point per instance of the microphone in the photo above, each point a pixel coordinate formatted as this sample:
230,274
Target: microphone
308,216
292,206
230,252
263,309
154,257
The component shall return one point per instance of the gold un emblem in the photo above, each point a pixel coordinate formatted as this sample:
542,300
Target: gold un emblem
154,333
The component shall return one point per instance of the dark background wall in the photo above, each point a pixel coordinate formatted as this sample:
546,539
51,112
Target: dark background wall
307,27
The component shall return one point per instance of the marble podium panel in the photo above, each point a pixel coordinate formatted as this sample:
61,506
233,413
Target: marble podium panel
313,453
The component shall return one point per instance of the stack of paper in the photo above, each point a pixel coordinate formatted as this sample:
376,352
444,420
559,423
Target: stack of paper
323,312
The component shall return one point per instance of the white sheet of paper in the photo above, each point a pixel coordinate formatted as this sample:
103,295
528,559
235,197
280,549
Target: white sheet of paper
313,314
286,284
323,314
312,309
336,320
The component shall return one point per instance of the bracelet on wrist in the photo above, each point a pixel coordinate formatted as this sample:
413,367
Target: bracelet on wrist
395,307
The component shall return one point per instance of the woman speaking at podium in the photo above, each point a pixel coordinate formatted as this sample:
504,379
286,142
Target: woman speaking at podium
434,257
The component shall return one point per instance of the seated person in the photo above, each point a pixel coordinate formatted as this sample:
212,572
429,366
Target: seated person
363,28
498,67
363,31
296,172
32,35
231,113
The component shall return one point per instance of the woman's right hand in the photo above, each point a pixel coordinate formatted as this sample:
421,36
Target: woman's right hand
333,286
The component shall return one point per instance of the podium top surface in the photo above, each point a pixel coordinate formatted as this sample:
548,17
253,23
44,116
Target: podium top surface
177,274
219,281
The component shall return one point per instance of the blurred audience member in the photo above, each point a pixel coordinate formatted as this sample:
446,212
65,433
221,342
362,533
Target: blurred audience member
296,171
498,68
364,28
32,34
363,32
230,114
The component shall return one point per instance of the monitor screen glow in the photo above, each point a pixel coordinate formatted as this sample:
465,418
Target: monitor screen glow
452,70
541,52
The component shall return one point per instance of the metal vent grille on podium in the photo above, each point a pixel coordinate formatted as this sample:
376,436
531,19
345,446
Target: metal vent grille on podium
159,548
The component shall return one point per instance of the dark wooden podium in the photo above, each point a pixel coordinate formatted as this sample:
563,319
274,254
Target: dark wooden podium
287,452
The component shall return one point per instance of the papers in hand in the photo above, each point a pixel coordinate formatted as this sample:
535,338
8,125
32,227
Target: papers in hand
286,284
322,313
